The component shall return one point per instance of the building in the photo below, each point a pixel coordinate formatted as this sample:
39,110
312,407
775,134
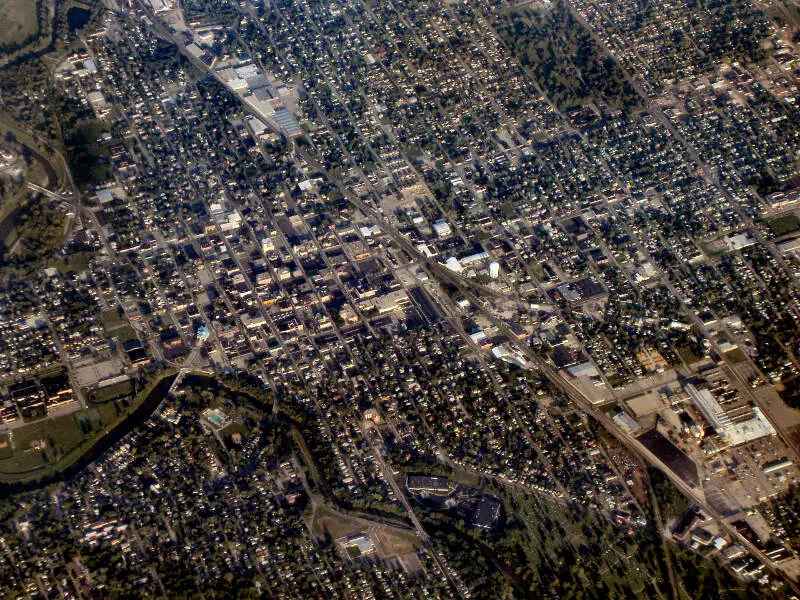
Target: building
442,228
429,484
733,430
487,512
740,240
624,420
586,368
684,524
358,545
777,465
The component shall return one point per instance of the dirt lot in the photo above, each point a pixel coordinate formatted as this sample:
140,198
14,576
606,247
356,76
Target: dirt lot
334,524
389,542
394,543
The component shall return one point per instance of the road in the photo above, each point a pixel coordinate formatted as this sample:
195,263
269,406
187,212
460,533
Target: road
46,192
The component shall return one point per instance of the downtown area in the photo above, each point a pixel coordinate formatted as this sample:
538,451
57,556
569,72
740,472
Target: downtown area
351,299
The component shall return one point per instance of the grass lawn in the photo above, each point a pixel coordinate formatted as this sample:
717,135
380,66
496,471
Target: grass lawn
784,224
75,262
687,355
90,419
232,428
538,271
19,20
125,334
111,392
57,437
22,464
111,319
465,478
735,356
5,446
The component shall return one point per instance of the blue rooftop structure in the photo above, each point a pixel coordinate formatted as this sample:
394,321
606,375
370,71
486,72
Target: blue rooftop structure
286,120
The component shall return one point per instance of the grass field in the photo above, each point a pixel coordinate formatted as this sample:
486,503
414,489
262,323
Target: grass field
20,21
687,355
74,262
49,446
40,443
90,419
5,446
735,356
784,224
117,326
111,392
234,428
125,334
111,319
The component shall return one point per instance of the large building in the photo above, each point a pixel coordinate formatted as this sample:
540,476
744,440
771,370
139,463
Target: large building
430,484
359,545
487,512
741,425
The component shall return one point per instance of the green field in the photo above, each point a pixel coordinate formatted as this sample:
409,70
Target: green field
111,392
784,224
125,334
48,446
89,420
39,444
687,355
74,262
111,319
735,356
20,21
117,326
5,446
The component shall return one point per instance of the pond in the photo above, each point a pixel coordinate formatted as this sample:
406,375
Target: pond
78,17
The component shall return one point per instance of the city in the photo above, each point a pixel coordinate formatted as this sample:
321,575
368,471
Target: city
468,299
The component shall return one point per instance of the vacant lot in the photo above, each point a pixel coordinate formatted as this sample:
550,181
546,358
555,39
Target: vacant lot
391,542
20,21
334,524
